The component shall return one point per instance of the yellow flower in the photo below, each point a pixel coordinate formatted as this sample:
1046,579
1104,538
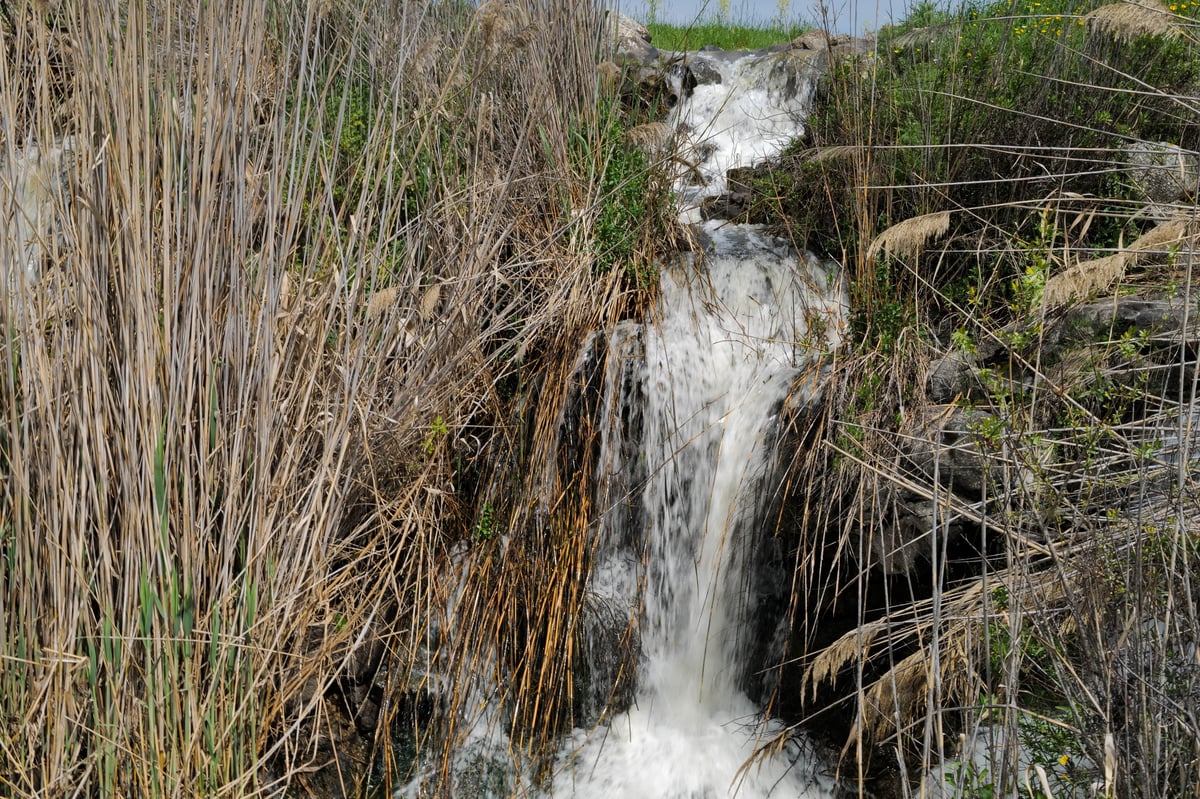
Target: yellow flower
1064,760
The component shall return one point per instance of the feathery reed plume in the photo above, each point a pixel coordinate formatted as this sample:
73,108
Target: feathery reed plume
1128,20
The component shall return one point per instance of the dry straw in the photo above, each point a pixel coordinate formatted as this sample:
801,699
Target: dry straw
245,411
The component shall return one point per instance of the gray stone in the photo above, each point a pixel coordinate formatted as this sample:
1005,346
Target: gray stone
730,205
905,540
698,70
1162,172
631,41
821,40
952,376
1105,320
943,443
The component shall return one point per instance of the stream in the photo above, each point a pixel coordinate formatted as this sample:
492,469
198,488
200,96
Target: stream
705,377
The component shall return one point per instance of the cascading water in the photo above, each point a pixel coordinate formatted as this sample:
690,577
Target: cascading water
693,397
718,360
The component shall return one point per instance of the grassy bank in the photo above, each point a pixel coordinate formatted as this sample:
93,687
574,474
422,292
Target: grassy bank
723,34
979,179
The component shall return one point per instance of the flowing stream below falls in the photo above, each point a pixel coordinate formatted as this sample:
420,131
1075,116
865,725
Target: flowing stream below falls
693,396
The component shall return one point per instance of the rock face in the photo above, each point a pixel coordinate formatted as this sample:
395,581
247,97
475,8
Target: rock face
945,446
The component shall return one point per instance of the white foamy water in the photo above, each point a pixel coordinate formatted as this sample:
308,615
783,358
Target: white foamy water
720,358
756,109
691,419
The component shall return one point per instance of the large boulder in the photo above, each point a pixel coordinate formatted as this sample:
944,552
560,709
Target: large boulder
631,41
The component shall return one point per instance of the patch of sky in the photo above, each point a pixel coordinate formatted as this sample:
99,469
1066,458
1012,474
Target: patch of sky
844,16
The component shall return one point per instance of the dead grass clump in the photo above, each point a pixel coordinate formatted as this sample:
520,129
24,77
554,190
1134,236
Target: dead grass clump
1100,274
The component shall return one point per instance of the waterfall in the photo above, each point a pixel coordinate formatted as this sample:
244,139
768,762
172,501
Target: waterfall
718,358
691,401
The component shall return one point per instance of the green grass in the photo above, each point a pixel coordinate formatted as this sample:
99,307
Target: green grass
726,35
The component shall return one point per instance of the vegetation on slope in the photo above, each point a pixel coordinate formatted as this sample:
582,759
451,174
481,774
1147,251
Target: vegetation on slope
723,34
309,298
978,176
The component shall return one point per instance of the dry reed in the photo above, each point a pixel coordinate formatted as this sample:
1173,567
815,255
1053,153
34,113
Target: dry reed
301,271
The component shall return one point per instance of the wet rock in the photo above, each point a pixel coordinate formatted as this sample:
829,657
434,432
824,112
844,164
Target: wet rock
744,178
698,70
730,205
787,72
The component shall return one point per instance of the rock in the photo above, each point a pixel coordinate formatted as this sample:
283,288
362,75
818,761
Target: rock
943,443
786,73
821,40
647,87
631,41
902,542
690,71
703,70
811,40
952,376
1161,172
742,178
730,205
1106,320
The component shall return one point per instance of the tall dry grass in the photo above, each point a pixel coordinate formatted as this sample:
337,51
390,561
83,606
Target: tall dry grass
1042,640
304,302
